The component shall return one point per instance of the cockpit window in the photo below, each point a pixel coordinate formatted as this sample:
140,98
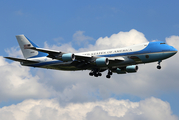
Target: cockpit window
162,43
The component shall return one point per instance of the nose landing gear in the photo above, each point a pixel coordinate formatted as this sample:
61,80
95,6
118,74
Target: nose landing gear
159,67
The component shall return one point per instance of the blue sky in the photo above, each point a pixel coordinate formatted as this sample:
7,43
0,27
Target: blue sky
54,24
47,20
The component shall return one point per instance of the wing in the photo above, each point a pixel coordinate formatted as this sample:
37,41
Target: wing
21,60
52,53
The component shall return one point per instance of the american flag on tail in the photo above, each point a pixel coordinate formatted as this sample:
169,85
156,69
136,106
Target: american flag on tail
27,46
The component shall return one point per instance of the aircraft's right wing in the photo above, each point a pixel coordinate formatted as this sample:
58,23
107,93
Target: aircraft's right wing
83,60
52,53
43,50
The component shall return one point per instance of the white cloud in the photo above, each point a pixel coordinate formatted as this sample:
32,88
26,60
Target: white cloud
148,109
80,39
58,39
18,83
121,39
14,52
64,48
173,41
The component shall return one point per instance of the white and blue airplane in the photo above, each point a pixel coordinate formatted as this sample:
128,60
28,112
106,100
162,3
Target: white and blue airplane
119,60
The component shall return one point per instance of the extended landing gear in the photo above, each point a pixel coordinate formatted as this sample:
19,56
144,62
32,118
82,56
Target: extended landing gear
91,73
159,67
95,73
109,74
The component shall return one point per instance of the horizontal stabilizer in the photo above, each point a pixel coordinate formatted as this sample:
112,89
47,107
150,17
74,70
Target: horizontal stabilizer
21,60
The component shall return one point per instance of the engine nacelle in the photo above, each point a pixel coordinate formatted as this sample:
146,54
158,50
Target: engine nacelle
102,61
68,57
119,71
132,68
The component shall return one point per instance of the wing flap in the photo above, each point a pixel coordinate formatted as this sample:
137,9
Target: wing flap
116,58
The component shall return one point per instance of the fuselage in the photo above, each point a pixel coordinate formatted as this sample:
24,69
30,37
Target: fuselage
136,54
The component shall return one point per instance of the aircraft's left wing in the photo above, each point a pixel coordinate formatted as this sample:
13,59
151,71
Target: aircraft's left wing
21,60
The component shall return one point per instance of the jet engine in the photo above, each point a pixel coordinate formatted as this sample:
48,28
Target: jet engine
68,57
132,68
102,61
120,71
129,69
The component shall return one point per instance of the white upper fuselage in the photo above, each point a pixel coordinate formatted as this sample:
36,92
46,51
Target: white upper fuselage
133,48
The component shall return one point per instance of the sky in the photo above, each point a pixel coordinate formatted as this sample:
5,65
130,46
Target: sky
77,26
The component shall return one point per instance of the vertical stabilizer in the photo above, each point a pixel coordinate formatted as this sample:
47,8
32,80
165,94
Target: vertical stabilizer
24,43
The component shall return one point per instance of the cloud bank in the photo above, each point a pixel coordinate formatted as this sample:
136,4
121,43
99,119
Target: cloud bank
18,83
148,109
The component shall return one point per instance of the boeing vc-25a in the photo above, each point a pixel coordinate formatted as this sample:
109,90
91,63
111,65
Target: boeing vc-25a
119,60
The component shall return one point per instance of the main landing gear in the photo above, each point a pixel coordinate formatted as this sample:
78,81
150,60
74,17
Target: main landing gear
159,67
97,73
109,74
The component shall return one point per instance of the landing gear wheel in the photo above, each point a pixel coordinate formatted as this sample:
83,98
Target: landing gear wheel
158,67
99,74
91,74
108,76
96,75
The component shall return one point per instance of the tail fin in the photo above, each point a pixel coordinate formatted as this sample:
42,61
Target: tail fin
24,42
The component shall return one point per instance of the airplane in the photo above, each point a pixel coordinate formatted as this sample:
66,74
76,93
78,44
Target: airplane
118,60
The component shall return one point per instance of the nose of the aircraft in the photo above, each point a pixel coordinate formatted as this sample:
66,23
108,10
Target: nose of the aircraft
174,49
